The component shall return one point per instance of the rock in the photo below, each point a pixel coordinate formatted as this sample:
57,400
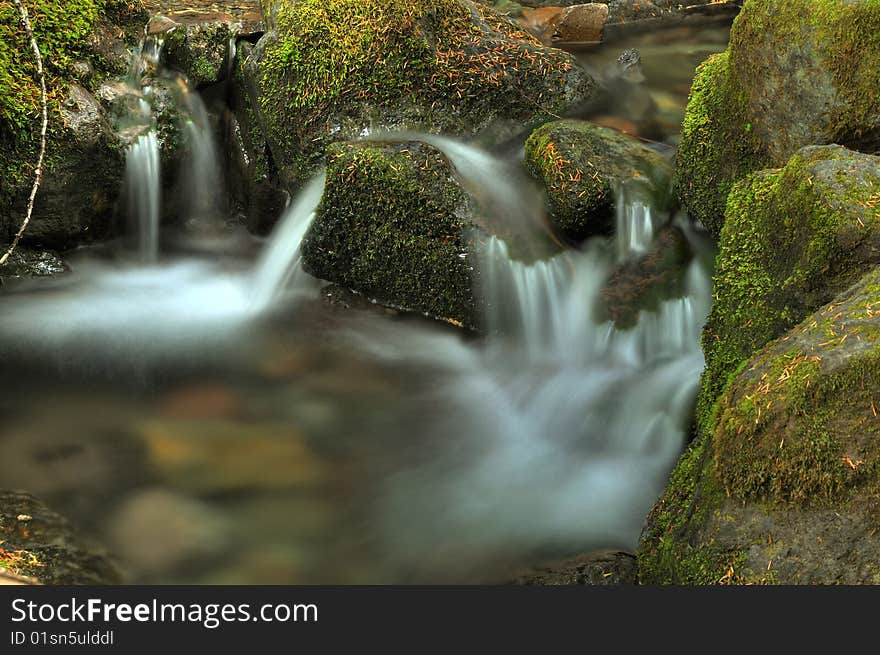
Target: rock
792,239
392,226
205,456
156,532
38,546
581,24
200,51
581,164
783,486
26,263
336,71
85,43
611,568
643,283
795,74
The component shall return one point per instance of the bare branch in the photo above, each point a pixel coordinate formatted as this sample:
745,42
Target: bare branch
22,10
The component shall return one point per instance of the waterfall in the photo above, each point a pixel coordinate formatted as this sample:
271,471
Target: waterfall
281,258
202,176
143,188
635,220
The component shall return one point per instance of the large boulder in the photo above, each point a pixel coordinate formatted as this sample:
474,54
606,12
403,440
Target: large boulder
582,165
200,50
334,71
795,73
393,225
792,239
85,44
38,546
783,485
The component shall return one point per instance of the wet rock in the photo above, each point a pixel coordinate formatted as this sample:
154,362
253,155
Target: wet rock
26,263
581,165
609,568
795,74
201,50
38,546
448,66
392,226
156,532
643,283
83,167
213,456
783,485
792,239
581,24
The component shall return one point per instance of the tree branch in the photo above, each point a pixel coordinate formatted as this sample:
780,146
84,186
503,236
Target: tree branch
22,10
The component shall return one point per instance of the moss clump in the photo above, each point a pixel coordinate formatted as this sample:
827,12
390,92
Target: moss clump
391,225
796,73
332,69
792,239
582,164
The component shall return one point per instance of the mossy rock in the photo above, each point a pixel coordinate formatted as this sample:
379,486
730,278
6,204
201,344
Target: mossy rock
200,50
83,44
334,71
784,485
793,238
796,73
395,225
39,545
582,164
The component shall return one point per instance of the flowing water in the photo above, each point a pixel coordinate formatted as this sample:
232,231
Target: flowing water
144,190
214,419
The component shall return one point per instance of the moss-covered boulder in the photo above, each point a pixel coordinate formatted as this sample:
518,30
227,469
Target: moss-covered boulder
83,44
784,486
582,164
793,238
39,546
795,73
393,224
334,71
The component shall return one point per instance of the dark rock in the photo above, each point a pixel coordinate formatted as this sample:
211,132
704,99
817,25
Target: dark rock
392,225
25,263
200,51
611,568
581,166
41,547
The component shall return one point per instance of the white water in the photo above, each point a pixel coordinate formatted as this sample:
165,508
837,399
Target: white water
144,192
281,259
635,221
202,177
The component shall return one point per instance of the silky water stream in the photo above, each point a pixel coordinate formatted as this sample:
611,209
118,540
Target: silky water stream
212,419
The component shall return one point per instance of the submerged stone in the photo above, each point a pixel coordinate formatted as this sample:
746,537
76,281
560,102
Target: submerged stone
795,73
582,164
782,487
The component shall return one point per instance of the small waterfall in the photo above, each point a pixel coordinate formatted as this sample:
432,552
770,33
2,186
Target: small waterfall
202,177
281,257
143,189
635,220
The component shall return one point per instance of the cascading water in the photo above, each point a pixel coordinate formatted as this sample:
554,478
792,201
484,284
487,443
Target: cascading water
281,259
143,188
635,220
202,176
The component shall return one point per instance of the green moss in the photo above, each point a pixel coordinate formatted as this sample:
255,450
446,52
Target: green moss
795,73
446,64
717,145
791,240
581,165
390,225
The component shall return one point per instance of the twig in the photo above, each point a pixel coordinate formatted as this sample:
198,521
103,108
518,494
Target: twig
39,172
